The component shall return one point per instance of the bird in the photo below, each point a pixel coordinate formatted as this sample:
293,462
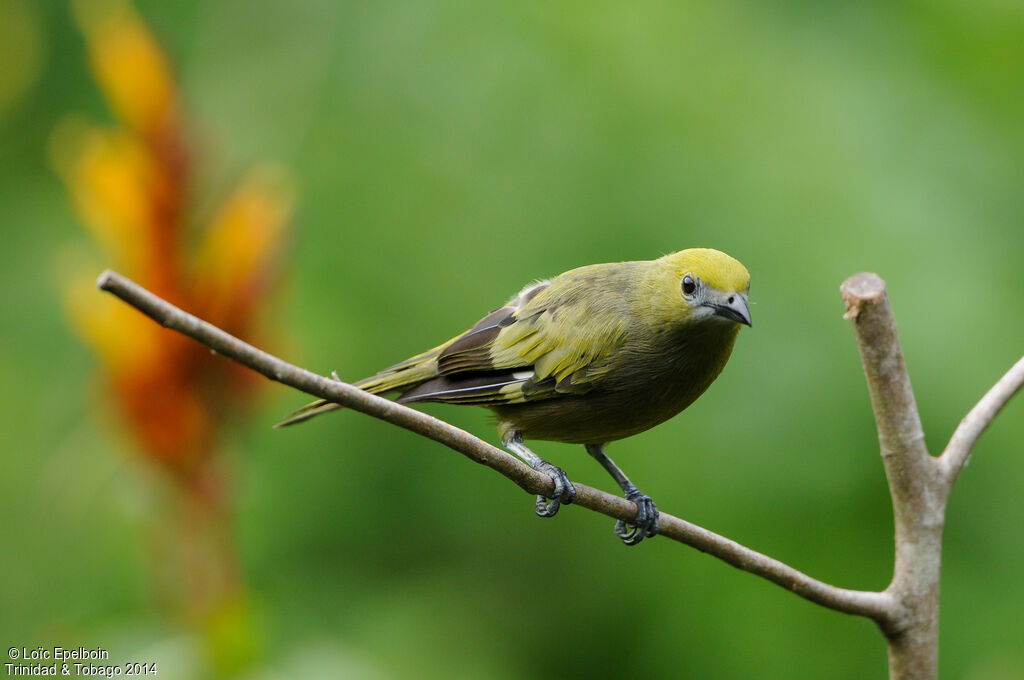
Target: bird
591,356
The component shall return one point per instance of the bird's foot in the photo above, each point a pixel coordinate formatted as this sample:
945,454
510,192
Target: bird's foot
564,492
647,519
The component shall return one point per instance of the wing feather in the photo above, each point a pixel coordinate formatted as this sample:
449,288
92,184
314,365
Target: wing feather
547,341
541,345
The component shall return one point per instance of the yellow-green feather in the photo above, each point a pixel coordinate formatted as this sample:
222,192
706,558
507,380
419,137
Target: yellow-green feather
595,354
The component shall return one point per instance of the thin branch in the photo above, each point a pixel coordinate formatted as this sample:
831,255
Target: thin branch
875,605
958,450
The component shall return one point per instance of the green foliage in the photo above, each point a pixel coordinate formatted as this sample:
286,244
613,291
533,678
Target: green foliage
448,152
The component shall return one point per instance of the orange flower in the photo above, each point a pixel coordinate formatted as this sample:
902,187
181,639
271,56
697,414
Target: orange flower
128,185
129,67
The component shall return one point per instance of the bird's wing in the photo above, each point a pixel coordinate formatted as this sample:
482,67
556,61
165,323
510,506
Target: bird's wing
544,343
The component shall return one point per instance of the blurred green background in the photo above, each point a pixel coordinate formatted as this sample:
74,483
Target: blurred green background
445,153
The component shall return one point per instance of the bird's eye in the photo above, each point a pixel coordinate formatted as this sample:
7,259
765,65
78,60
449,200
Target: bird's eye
689,285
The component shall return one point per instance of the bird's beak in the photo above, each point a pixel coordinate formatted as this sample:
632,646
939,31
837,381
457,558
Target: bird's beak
734,308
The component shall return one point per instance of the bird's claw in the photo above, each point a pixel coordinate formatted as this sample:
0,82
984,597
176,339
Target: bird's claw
647,520
564,491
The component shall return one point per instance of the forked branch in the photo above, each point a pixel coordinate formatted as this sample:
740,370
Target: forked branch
874,605
919,484
906,611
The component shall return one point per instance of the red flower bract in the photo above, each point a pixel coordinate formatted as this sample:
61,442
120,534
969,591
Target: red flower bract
129,186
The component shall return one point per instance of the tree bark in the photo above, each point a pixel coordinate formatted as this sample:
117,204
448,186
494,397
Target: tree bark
916,484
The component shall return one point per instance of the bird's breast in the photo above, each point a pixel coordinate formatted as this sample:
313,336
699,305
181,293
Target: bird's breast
648,382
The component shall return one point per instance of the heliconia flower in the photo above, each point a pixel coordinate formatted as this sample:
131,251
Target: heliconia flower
129,66
239,254
112,177
129,186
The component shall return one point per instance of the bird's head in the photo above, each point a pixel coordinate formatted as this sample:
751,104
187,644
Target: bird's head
700,285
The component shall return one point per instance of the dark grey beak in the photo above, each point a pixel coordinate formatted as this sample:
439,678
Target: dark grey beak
735,309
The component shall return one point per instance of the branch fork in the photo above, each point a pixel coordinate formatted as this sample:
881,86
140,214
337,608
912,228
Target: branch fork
906,611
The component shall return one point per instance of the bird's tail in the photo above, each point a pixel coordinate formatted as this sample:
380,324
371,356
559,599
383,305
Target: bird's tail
308,411
397,378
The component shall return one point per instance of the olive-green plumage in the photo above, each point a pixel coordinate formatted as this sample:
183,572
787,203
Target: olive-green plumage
593,355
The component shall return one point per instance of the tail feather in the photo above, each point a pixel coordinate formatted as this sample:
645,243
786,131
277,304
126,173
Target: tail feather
308,411
397,378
